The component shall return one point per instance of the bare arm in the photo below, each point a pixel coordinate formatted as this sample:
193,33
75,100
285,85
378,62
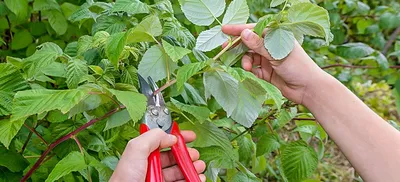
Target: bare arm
369,142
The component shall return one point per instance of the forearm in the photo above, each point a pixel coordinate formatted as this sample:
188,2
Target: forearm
369,142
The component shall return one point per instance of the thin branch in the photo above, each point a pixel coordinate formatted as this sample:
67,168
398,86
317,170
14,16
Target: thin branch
82,152
26,142
226,48
356,66
78,143
389,43
64,138
36,133
166,85
304,119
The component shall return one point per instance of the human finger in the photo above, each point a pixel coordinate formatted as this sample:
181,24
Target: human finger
236,30
173,173
168,159
247,61
201,176
141,146
255,43
188,135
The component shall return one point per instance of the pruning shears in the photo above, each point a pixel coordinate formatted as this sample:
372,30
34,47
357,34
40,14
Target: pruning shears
157,115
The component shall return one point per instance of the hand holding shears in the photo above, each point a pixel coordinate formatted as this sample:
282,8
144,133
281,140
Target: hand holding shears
142,159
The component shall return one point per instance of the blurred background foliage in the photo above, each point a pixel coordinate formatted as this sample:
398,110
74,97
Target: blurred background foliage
364,54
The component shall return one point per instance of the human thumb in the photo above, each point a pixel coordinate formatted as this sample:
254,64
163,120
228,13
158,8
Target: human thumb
153,139
255,43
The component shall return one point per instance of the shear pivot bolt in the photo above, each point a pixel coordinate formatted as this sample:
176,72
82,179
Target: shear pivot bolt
166,111
154,112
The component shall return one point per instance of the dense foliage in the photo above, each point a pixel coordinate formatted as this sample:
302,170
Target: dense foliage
68,82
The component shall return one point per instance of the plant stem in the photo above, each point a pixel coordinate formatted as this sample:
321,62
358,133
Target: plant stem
81,149
78,143
166,85
392,38
33,156
36,133
243,132
304,119
26,142
64,138
226,48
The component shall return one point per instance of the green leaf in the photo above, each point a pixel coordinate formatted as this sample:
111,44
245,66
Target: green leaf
240,177
389,20
55,69
262,24
45,56
117,119
275,3
306,15
130,6
110,24
77,71
279,43
84,44
208,135
129,75
18,7
181,33
56,116
114,47
187,71
210,39
247,107
42,5
246,147
192,95
230,57
74,161
267,144
134,102
8,130
82,14
298,161
200,113
218,156
104,171
202,12
146,30
21,40
237,13
57,21
223,87
354,50
37,101
155,63
285,116
19,163
11,79
175,52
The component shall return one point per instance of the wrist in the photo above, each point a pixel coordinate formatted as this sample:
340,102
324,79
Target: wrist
319,86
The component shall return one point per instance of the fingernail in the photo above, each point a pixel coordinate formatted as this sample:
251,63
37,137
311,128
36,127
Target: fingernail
246,34
172,138
202,178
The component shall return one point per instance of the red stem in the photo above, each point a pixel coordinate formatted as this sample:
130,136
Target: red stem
36,133
66,137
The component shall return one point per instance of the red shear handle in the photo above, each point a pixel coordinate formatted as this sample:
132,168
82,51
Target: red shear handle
182,156
154,173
